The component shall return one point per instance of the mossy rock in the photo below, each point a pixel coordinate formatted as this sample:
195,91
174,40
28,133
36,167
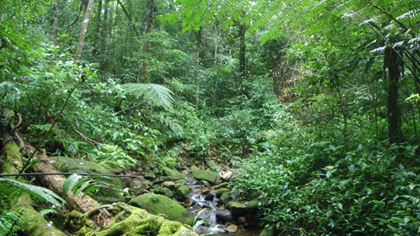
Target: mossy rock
221,191
150,176
268,232
69,165
242,208
213,166
205,175
160,204
174,174
182,192
167,192
226,198
139,222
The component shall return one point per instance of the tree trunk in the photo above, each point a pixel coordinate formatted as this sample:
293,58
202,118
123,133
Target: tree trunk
84,31
96,47
242,51
144,73
33,223
199,58
392,63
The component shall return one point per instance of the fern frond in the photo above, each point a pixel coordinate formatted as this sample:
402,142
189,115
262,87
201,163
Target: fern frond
7,221
154,94
14,188
79,184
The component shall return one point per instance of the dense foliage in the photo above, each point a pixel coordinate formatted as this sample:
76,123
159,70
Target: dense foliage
316,103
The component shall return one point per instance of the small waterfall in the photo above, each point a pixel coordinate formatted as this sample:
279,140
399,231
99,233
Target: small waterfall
209,216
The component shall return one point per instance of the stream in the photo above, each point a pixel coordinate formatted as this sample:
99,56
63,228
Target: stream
215,219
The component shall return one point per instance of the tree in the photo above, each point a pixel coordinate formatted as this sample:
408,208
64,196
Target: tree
83,32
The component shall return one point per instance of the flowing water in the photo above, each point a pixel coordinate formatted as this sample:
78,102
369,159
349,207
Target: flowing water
209,221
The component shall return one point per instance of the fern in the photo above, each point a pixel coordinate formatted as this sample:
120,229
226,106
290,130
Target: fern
14,188
9,223
154,94
79,184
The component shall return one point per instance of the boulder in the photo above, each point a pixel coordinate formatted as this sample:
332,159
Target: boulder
226,176
169,184
150,176
224,216
232,228
173,173
167,192
206,175
226,198
159,204
157,189
239,209
182,192
212,165
221,191
222,185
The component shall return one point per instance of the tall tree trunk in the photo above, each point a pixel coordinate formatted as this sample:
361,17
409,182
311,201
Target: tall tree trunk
96,47
84,31
199,58
57,12
392,63
144,73
242,51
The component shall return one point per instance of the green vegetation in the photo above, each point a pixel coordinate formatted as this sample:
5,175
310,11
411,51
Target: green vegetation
309,109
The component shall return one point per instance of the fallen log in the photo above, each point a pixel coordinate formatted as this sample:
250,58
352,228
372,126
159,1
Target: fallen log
32,223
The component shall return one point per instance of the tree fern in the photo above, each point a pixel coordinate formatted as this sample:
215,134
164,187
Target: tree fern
154,94
14,188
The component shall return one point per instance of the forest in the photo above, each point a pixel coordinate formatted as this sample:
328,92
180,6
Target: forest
210,117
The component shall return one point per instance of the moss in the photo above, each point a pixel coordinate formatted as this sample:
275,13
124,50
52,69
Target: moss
159,204
182,192
173,173
205,175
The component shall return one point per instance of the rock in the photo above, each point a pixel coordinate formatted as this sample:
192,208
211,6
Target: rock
159,204
172,173
194,168
226,176
157,189
182,193
205,183
221,191
224,216
169,184
150,176
232,228
239,209
268,232
226,198
222,185
242,220
147,184
212,165
205,175
135,184
180,181
167,192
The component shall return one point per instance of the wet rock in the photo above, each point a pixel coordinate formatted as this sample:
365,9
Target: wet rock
159,204
212,165
206,175
239,209
167,192
226,176
222,185
169,184
226,198
224,216
232,228
243,220
150,176
221,191
182,193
